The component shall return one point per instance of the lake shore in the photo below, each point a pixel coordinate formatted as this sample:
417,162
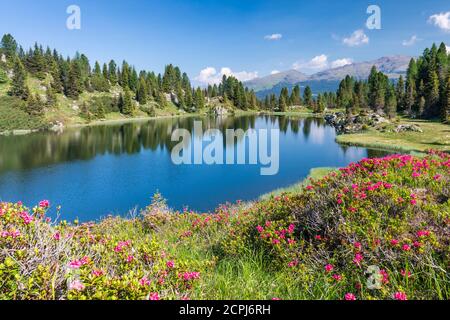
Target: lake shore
277,248
435,136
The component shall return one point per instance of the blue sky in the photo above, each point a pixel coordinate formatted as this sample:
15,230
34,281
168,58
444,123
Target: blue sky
232,36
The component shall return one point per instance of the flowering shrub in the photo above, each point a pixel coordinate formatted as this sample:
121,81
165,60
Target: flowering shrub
377,229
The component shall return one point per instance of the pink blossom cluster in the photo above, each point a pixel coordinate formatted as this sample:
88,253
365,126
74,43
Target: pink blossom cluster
121,245
76,264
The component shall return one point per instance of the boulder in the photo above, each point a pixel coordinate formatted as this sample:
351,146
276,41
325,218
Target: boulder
220,111
57,127
408,127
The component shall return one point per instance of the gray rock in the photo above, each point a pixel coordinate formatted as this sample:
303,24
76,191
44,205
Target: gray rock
408,127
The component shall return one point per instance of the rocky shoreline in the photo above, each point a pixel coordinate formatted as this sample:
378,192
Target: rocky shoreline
347,124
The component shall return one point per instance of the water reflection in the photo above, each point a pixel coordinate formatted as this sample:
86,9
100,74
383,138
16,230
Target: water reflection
110,168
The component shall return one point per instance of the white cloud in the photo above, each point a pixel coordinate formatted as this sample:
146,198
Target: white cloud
315,64
319,63
448,49
274,72
210,75
273,37
441,20
411,42
356,39
341,62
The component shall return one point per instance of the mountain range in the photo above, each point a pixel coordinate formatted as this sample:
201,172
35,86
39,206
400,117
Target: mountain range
328,80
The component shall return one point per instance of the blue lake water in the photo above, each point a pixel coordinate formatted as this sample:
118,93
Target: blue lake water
95,171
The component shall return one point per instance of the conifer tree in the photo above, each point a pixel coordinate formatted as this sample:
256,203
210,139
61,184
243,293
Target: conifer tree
112,72
142,91
18,83
445,108
307,96
282,105
34,105
8,46
127,103
391,102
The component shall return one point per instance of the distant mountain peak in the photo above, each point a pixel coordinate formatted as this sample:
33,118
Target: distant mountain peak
392,66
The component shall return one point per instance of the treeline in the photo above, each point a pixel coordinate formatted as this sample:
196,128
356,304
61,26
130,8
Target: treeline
424,93
73,76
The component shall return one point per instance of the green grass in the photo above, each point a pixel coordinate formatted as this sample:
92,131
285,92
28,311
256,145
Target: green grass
435,136
13,116
315,173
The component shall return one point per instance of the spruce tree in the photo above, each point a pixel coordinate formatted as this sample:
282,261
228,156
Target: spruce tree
74,83
282,105
18,83
127,107
391,102
307,97
142,91
8,46
445,108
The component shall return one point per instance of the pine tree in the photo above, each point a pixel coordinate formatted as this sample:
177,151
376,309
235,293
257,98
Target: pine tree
51,99
142,91
445,108
112,72
127,103
307,96
199,100
34,105
18,86
295,99
282,106
391,102
320,105
400,93
8,46
74,84
432,97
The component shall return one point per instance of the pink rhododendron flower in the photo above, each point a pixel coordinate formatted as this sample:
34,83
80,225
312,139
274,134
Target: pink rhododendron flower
437,177
350,297
76,285
44,204
329,268
98,272
385,275
423,233
144,282
400,296
337,277
406,247
358,258
121,245
76,264
153,296
260,229
405,274
357,245
170,264
394,242
416,175
27,219
293,264
57,236
130,258
291,228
